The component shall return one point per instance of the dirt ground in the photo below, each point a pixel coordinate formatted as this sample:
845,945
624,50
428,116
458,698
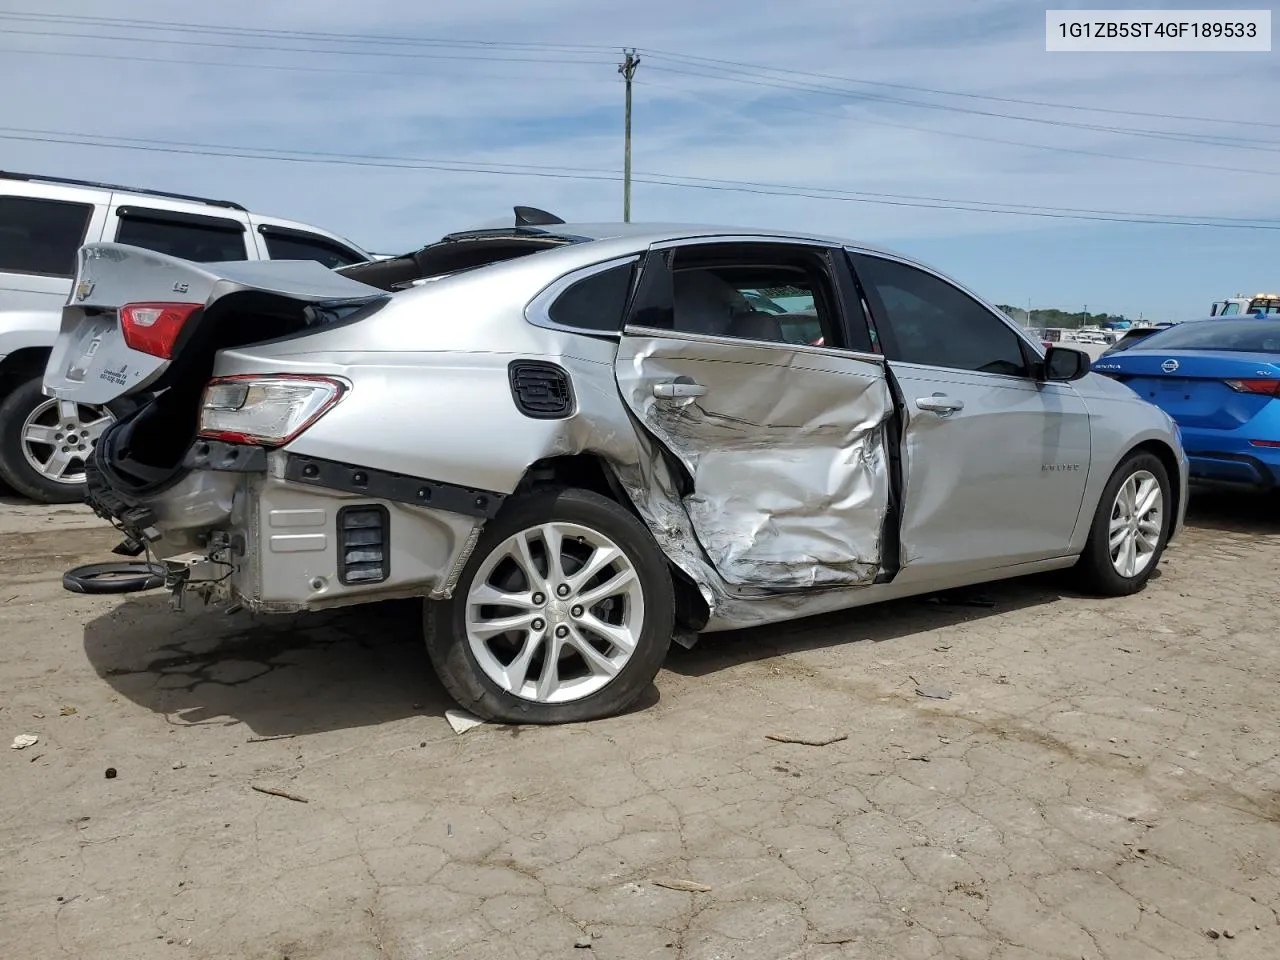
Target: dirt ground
1103,781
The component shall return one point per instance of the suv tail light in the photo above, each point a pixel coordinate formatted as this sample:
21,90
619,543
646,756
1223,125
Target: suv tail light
153,328
266,411
1267,388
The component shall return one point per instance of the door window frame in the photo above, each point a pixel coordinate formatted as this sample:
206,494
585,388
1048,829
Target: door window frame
882,325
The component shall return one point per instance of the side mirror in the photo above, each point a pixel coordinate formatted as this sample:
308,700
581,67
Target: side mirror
1063,364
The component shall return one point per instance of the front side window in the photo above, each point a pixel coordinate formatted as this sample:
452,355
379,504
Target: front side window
1230,309
40,237
199,241
768,293
936,324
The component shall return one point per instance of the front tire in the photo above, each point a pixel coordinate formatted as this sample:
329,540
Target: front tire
563,613
1130,529
44,443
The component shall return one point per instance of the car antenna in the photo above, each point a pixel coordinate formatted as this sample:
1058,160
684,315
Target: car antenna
533,217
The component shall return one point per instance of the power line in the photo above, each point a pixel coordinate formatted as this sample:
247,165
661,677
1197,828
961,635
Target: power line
1162,161
739,66
314,35
417,55
298,68
1268,146
589,174
585,58
762,70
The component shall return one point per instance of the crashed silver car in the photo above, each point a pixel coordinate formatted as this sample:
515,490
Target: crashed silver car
577,442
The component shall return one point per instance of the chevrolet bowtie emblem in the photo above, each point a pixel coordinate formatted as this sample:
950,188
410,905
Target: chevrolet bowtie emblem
83,289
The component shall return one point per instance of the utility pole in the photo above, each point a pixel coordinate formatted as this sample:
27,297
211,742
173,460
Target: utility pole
628,70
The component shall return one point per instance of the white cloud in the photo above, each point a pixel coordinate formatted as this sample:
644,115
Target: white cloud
564,113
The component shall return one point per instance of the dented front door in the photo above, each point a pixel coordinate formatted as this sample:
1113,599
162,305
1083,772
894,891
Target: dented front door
785,446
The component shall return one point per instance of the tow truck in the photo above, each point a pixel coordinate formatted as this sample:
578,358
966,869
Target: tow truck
1260,304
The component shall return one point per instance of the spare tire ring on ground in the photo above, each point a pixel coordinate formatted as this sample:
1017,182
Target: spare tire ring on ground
130,577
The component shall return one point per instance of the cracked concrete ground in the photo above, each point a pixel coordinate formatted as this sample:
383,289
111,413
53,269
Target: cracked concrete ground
1104,781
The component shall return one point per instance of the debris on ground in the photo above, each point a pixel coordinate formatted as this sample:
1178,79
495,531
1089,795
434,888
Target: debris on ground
461,721
282,736
110,773
934,693
178,765
807,741
66,711
280,793
582,943
24,740
684,886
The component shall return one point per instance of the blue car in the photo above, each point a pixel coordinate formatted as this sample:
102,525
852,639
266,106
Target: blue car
1220,382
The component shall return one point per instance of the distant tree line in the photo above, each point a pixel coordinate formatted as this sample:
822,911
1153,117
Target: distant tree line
1061,318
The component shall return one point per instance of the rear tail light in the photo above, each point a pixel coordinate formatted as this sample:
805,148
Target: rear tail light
153,328
266,411
1267,388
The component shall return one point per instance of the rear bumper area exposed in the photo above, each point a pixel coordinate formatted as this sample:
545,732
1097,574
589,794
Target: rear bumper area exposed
300,534
1236,469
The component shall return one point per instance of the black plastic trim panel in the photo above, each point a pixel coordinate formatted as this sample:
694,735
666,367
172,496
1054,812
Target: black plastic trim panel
396,487
224,224
521,373
228,457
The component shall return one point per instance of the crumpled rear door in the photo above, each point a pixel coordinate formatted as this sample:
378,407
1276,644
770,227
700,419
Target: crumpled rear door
785,445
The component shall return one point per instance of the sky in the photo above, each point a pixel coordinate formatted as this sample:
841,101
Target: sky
822,98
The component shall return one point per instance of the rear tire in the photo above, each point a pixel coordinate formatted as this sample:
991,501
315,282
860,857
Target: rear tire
17,470
587,624
1129,517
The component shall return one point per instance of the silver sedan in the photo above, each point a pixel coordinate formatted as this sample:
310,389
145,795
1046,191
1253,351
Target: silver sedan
577,442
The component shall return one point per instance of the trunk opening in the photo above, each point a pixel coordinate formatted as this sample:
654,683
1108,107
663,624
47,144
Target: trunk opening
145,449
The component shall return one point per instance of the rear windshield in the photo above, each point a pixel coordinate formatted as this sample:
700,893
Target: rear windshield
1237,336
1129,339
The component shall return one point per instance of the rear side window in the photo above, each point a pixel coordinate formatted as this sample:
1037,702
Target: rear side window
41,236
596,302
204,240
299,247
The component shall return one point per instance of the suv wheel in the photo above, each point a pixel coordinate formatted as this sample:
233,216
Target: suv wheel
44,443
563,613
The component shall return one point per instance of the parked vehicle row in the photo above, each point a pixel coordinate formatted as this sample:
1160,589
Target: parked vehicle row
577,440
43,220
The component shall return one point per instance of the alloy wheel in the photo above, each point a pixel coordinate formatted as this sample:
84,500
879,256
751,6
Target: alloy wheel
58,436
554,612
1137,523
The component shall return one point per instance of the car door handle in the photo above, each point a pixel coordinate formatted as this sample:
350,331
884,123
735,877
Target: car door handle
678,389
940,404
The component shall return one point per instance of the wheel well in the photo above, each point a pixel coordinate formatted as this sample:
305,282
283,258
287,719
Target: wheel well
20,366
589,472
1164,453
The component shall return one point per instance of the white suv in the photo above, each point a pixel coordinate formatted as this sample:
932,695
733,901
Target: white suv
43,221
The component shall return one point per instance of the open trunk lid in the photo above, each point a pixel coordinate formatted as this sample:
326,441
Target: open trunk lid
166,302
